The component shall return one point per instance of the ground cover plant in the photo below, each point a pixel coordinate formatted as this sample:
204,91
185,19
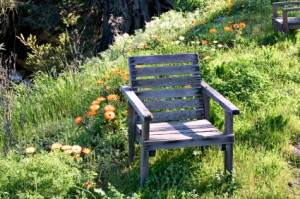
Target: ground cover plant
69,133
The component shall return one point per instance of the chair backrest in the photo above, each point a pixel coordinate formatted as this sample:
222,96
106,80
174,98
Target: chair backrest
169,85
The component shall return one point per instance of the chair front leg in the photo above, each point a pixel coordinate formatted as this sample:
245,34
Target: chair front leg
144,168
228,153
131,131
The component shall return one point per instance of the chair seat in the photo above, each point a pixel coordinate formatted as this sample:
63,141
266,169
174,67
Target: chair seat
292,21
184,134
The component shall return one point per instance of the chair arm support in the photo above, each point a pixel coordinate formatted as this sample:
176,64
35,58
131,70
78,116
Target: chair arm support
137,104
220,99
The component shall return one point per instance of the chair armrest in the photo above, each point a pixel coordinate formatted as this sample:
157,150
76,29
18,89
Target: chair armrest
220,99
290,9
276,4
137,104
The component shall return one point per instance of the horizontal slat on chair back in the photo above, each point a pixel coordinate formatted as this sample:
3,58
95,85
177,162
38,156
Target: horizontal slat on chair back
160,82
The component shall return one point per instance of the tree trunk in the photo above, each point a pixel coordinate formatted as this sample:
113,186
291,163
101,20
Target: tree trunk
125,16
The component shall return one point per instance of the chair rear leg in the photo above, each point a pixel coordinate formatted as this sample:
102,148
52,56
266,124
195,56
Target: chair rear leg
131,148
144,168
228,158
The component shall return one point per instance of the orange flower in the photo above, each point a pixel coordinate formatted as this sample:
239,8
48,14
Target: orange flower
125,78
86,151
100,82
110,115
94,107
107,88
207,58
56,146
212,30
112,97
106,77
115,71
76,149
204,42
69,151
78,120
66,147
100,99
193,23
30,150
109,108
242,25
228,29
235,25
95,102
91,113
126,112
147,46
203,22
187,86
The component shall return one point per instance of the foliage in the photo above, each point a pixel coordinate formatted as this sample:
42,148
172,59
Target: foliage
257,77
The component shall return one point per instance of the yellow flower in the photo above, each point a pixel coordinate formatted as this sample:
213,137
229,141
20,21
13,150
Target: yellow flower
238,32
30,150
86,150
66,147
107,88
207,58
69,151
56,146
177,42
141,45
212,30
115,71
76,149
100,99
109,108
181,38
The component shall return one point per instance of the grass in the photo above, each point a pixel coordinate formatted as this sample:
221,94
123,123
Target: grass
258,70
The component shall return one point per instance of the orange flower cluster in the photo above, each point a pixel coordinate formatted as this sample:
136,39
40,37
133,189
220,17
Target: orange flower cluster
109,112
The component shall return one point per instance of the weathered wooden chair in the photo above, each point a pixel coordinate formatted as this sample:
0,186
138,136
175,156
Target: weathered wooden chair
284,23
180,113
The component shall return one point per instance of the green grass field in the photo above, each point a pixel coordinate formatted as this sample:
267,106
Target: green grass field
241,57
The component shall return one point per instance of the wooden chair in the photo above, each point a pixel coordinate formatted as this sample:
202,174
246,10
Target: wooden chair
285,23
179,114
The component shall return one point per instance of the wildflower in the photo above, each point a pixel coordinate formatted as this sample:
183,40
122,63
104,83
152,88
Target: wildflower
242,25
203,22
95,102
212,30
181,38
228,28
115,71
56,146
110,115
94,107
141,45
66,147
100,82
193,23
91,113
126,112
125,78
112,97
30,150
207,58
97,88
220,45
238,32
187,86
86,151
193,42
109,108
100,99
78,120
177,42
235,25
106,77
154,36
76,149
229,22
107,88
147,46
204,42
68,151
